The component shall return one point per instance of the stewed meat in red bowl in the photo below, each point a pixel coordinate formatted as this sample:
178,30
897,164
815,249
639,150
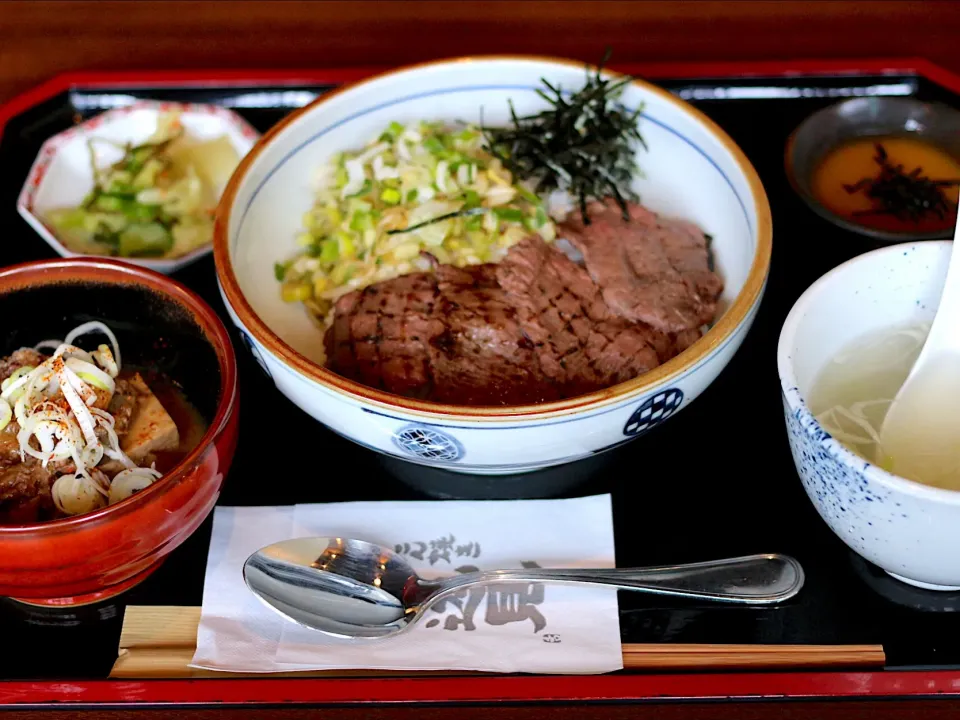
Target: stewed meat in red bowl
117,425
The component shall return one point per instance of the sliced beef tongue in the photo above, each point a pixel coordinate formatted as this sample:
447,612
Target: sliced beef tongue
482,356
448,336
380,335
651,269
536,327
579,343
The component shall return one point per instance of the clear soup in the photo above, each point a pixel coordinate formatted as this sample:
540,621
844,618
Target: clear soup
853,392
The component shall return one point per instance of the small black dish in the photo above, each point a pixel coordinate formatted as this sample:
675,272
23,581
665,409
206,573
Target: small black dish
865,117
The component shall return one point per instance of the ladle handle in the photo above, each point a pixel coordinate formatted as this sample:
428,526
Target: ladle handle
754,579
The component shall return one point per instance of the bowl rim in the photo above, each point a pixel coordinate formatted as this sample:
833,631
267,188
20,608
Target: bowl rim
113,272
51,147
790,165
749,295
795,400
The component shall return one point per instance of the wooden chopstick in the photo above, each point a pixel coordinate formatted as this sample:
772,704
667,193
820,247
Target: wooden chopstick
159,642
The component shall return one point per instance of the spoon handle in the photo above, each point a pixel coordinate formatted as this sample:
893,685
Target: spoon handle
754,579
943,332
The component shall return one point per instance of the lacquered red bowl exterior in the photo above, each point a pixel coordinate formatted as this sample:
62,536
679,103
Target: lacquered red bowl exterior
95,556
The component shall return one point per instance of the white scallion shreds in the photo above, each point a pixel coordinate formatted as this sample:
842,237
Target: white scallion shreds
77,494
92,327
127,482
55,405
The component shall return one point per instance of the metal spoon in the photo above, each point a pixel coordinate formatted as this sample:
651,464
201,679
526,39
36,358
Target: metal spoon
355,589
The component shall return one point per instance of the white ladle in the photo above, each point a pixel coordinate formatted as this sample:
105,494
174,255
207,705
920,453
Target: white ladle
920,435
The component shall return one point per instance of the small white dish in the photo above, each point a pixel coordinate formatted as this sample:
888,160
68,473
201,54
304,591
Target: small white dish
61,175
909,530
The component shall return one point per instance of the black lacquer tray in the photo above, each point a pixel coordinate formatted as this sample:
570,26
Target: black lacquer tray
716,480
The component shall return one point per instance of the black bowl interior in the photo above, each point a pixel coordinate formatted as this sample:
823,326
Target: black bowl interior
154,332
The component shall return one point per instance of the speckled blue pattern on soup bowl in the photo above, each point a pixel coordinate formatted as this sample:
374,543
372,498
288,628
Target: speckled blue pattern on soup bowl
910,530
692,170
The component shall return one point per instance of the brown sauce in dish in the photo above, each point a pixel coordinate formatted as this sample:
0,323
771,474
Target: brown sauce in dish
891,184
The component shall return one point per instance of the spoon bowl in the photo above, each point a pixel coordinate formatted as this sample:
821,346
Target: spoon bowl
359,585
355,589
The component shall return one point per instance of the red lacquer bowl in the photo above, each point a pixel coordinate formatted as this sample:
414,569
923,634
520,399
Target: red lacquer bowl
160,325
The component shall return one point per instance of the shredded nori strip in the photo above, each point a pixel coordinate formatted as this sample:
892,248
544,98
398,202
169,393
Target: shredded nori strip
583,144
462,212
908,196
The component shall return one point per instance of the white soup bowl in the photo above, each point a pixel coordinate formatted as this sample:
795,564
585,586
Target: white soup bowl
910,530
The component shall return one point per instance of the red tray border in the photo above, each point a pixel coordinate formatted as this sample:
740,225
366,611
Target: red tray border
226,77
510,689
499,690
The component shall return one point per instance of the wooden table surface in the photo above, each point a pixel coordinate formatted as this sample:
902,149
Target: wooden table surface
39,39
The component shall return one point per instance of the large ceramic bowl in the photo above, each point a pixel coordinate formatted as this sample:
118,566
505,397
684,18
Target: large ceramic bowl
160,325
910,530
693,169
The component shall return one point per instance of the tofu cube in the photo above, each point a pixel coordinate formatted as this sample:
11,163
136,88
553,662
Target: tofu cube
151,427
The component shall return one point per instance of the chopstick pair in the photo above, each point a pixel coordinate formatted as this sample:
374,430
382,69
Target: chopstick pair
159,642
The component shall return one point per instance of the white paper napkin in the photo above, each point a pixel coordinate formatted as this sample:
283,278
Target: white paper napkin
511,628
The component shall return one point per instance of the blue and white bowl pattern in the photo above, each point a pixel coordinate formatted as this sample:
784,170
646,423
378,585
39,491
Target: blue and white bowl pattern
907,529
653,411
842,493
427,443
252,348
498,447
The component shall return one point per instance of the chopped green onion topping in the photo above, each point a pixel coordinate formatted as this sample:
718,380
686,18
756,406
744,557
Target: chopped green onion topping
391,196
329,251
433,146
364,189
509,214
471,199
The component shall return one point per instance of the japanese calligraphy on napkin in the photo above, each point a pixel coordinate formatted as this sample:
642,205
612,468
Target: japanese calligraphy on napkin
512,627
